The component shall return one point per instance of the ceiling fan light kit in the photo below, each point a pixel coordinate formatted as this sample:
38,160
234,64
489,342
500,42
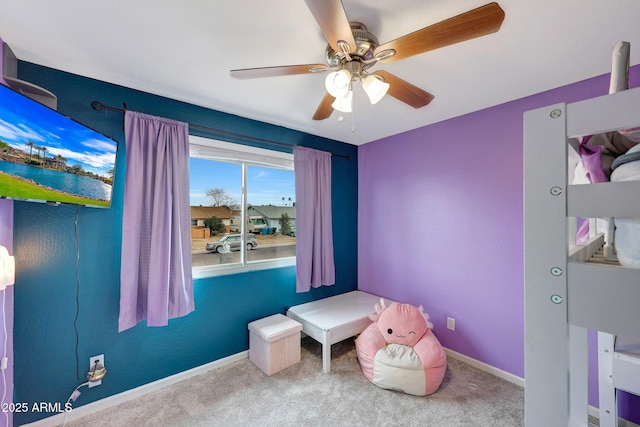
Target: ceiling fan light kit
352,50
375,88
344,103
338,83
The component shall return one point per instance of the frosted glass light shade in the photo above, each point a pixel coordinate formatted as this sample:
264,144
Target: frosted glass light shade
344,103
375,88
337,83
7,268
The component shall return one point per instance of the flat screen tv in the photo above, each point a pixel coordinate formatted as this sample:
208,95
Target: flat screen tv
48,157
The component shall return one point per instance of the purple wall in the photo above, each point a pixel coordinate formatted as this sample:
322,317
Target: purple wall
441,223
6,240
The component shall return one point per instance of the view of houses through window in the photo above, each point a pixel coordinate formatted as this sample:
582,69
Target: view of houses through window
218,220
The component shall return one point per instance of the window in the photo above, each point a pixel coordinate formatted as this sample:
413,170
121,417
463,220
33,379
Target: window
242,208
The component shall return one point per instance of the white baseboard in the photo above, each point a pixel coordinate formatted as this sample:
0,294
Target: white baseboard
486,367
116,399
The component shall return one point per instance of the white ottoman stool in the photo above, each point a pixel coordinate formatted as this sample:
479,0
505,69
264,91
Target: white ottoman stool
274,343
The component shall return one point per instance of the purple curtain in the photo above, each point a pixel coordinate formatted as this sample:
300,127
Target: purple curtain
314,246
155,278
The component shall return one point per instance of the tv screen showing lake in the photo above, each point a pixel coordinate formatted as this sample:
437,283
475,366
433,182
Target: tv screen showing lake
79,185
45,156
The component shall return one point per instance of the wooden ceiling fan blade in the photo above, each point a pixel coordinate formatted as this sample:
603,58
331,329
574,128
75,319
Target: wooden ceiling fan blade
324,109
478,22
333,21
405,91
285,70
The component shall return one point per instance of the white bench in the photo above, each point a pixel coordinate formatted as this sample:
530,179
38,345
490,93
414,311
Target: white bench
331,320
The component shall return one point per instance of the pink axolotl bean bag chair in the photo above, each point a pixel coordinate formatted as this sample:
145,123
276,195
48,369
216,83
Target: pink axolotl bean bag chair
399,352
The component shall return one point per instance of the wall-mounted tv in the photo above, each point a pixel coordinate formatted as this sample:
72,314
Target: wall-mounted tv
48,157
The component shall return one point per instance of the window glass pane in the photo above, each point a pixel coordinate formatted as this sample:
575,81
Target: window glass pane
216,193
271,211
216,224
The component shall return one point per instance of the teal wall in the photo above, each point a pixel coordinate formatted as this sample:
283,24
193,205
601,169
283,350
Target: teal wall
45,249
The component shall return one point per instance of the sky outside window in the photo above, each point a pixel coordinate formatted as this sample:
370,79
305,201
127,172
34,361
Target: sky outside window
265,185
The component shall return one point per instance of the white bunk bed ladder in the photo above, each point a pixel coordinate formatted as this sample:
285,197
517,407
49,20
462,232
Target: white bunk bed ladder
565,297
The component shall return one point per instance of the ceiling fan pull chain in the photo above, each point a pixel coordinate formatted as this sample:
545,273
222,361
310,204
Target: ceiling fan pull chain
353,113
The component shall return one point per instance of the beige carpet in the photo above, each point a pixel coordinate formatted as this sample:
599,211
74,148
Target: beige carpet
239,394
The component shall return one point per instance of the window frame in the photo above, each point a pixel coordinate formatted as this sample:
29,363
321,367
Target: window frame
215,150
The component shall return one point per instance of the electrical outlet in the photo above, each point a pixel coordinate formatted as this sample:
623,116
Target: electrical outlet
97,370
451,323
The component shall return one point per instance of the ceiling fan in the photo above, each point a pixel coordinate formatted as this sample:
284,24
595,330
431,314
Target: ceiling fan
353,50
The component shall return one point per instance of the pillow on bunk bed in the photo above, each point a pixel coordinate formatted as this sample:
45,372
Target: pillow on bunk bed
398,351
627,237
630,156
598,152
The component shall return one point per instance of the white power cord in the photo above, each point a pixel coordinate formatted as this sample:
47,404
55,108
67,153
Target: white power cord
74,395
5,360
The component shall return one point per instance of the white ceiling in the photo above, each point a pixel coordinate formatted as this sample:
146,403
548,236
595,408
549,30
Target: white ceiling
185,49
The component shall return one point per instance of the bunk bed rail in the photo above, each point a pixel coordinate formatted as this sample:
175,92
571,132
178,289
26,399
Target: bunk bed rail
565,298
604,199
604,298
606,113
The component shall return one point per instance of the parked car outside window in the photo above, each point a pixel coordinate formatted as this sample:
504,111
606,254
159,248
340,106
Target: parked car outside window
234,241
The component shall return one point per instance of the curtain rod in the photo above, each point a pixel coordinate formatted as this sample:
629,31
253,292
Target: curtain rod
98,106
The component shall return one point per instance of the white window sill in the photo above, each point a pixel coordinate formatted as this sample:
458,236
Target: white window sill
224,270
